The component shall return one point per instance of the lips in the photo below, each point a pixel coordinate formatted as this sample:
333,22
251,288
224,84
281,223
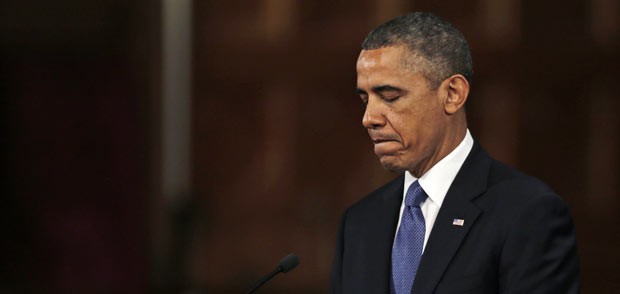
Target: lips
385,144
382,138
378,141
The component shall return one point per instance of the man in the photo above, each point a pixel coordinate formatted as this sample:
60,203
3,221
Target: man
456,220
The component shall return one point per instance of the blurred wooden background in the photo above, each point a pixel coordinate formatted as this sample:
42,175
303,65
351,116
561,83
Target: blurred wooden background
274,149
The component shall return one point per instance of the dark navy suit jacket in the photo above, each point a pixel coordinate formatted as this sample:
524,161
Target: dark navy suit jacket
517,237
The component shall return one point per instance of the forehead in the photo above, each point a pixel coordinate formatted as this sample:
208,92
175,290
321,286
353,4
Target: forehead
394,66
387,66
392,57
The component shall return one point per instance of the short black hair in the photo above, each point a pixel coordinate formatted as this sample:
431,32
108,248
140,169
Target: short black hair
442,47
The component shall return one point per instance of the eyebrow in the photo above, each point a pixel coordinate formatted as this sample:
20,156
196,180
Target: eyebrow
379,89
386,88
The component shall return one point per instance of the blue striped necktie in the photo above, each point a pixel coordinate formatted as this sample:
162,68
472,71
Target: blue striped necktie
407,250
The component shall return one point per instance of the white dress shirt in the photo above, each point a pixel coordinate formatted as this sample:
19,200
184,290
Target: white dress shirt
436,183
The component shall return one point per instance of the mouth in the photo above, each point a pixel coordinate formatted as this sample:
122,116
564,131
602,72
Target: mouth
379,141
385,144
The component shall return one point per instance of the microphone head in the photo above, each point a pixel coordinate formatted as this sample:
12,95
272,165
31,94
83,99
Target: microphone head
288,263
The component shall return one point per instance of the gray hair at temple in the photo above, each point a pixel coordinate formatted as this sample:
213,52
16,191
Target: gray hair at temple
441,49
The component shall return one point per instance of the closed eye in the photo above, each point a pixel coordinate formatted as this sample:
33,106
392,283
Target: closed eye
389,93
390,98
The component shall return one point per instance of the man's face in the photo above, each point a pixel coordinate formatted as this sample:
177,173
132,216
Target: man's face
404,117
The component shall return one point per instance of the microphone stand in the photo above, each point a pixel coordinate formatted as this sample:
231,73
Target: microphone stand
287,264
264,279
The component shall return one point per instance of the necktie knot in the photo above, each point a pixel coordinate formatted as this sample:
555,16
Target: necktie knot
415,195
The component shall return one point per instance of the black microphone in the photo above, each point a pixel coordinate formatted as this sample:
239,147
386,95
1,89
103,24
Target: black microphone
287,264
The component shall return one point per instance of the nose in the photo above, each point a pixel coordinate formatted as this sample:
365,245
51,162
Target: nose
373,117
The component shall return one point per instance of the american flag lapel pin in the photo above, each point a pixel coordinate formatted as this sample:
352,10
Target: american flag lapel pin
458,222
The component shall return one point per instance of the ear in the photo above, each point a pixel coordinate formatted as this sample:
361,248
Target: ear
457,90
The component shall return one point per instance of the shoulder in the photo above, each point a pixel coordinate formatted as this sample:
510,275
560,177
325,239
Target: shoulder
493,184
514,186
514,199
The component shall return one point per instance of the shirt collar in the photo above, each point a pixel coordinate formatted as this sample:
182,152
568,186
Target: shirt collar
437,180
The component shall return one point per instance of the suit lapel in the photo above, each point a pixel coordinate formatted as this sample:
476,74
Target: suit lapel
445,237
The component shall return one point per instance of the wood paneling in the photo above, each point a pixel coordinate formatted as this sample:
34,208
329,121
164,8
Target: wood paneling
280,150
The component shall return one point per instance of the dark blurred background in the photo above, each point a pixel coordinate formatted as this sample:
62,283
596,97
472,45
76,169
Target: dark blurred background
180,146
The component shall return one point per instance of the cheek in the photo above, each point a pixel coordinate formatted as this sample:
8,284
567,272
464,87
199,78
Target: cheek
406,126
416,133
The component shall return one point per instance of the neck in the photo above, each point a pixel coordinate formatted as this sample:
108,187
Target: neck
451,140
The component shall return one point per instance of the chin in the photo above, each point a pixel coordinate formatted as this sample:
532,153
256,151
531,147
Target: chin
392,164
